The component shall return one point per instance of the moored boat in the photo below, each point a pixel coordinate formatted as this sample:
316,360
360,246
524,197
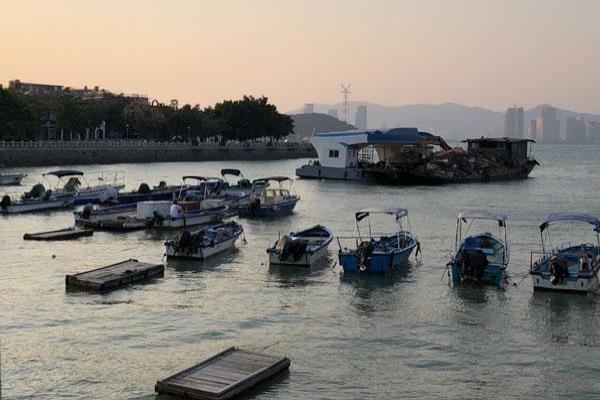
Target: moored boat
11,179
568,267
265,200
37,199
379,252
480,258
303,248
105,188
205,242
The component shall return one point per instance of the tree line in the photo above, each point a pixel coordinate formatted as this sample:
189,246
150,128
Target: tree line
23,116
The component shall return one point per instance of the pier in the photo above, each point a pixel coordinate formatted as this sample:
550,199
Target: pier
115,275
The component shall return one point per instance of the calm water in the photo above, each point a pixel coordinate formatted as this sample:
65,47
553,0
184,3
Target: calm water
409,335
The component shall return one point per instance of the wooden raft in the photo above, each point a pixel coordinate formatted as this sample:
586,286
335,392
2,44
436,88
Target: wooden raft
223,376
115,275
61,234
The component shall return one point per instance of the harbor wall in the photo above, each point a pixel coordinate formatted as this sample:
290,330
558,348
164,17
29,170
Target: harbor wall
37,154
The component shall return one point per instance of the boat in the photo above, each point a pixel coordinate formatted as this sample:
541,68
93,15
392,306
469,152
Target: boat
37,199
60,234
378,253
480,258
103,186
146,193
243,186
93,214
303,248
571,268
407,156
11,179
267,201
205,242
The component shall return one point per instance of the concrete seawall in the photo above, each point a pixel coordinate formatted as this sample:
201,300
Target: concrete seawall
81,153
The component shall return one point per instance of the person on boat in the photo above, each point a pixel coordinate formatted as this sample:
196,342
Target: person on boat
176,210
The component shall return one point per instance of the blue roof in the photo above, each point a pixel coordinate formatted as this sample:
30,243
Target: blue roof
394,135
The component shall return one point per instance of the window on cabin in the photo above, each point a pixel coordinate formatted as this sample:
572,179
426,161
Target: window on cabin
334,153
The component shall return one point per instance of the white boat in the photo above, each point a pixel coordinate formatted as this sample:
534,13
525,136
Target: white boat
94,214
302,248
11,179
101,187
267,201
37,199
571,268
205,242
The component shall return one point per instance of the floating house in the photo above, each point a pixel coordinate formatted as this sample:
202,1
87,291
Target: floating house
344,155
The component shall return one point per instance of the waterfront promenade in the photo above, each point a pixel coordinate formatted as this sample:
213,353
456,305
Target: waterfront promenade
82,152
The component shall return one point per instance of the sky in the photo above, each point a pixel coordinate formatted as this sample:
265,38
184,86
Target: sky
488,53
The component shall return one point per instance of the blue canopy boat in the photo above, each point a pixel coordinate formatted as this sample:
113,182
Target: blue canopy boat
382,253
480,258
566,268
265,200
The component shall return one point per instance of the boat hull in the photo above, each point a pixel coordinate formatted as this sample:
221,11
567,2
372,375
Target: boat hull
11,179
97,195
270,210
380,262
35,206
492,274
579,285
105,214
203,252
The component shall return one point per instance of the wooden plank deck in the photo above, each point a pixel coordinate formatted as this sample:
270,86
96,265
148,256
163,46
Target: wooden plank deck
222,376
115,275
60,234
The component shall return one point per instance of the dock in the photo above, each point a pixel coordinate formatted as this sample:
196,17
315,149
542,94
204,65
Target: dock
60,234
223,376
115,275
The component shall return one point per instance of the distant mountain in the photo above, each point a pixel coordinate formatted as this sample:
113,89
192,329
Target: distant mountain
306,124
450,120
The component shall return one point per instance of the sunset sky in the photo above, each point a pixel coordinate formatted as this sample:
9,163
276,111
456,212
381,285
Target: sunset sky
478,52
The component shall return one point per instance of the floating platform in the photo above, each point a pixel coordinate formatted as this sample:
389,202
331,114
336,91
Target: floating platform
223,376
115,275
61,234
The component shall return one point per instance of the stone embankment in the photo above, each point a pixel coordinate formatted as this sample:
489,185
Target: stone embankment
48,153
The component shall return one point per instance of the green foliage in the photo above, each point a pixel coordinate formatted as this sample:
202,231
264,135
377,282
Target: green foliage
21,116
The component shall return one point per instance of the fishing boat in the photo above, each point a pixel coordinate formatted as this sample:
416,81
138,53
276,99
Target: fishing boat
155,193
568,267
11,179
265,200
205,242
37,199
379,252
102,186
303,248
93,214
480,258
242,187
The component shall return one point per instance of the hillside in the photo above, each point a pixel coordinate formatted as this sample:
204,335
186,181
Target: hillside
306,124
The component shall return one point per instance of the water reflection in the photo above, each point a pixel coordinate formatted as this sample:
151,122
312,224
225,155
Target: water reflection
198,265
291,275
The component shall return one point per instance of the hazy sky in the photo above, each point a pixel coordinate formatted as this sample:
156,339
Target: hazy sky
476,52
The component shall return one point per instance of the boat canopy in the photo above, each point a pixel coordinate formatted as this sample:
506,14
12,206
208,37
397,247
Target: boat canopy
198,178
397,212
590,219
483,214
64,172
231,171
273,178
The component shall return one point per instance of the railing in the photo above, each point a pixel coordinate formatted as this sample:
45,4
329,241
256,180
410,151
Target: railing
141,143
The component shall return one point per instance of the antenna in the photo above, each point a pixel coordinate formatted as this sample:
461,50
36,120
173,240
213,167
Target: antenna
346,92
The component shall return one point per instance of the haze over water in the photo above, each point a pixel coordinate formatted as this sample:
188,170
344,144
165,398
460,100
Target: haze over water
408,335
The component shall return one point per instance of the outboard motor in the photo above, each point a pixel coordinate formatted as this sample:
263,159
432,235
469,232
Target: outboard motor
5,202
363,255
36,192
86,212
183,239
144,188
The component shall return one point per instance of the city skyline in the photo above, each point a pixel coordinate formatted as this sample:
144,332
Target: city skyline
406,52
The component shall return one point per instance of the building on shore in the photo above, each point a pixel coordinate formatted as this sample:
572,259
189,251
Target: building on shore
309,108
547,126
576,130
361,117
34,88
514,123
594,132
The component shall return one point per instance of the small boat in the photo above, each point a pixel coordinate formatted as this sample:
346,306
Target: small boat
92,214
302,248
106,188
37,199
480,258
242,187
205,242
569,267
61,234
378,253
11,179
267,201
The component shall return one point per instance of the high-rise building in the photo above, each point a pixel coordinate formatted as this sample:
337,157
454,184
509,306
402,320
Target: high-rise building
547,126
361,117
594,131
576,130
514,122
309,108
333,112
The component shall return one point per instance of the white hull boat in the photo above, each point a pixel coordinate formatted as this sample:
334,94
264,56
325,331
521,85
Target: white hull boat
11,179
302,248
204,243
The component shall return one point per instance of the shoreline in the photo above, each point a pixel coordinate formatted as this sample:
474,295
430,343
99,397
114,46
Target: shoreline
40,154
